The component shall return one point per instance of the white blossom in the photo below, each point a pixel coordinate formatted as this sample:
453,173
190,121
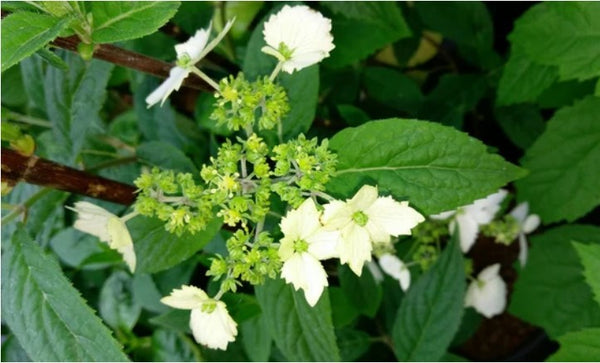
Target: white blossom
107,227
305,242
298,37
366,219
210,321
470,217
393,266
487,294
528,223
188,54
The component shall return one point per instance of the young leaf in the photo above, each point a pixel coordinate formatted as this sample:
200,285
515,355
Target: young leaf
563,164
590,259
551,291
579,346
116,21
301,332
24,32
156,249
45,312
435,167
430,314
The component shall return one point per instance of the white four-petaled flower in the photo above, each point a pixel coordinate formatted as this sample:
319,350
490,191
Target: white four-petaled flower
393,266
298,37
305,242
470,217
188,54
528,223
487,294
366,219
210,321
107,227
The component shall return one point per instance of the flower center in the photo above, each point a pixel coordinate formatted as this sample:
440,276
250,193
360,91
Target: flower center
285,51
360,218
300,246
209,306
184,61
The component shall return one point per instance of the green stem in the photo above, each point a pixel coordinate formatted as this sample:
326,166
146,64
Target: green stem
23,207
28,119
111,163
276,71
206,78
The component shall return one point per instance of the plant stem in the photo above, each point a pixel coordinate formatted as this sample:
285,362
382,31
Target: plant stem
27,119
206,78
23,207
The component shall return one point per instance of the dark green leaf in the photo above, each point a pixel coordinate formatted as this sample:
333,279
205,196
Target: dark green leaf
45,312
353,343
193,15
521,123
12,350
580,346
565,93
146,294
363,292
156,249
24,32
117,305
393,89
589,254
563,164
551,291
345,311
117,21
13,88
430,314
256,338
435,167
353,116
165,156
74,247
175,320
33,81
301,332
168,346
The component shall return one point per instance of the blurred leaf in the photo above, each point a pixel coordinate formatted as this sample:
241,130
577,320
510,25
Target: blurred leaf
551,291
13,88
589,254
353,343
345,311
146,294
430,314
563,164
117,21
361,28
363,292
301,332
165,156
25,32
175,320
74,247
45,312
353,116
52,59
256,338
393,89
194,15
436,167
32,70
523,123
203,110
168,346
12,350
117,306
565,93
156,249
243,12
580,346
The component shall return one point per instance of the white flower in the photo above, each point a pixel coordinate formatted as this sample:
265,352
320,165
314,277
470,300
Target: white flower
366,219
487,294
188,54
298,37
393,266
528,224
107,227
210,321
305,242
470,217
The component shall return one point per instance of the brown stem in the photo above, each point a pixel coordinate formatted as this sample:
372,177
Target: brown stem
35,170
133,60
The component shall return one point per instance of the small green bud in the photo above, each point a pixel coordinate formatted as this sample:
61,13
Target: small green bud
86,51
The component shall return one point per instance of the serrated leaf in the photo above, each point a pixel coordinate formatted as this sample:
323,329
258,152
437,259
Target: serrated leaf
523,80
157,250
562,34
301,332
580,346
117,21
430,314
435,167
551,291
523,124
361,28
589,255
24,32
363,292
45,312
563,164
117,305
165,156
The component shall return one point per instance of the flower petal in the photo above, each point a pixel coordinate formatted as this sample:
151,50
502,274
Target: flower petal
176,77
393,217
305,272
523,249
520,212
394,267
364,198
213,43
484,210
301,222
121,241
467,230
443,215
194,46
487,296
336,215
187,297
355,248
215,329
92,219
323,244
531,223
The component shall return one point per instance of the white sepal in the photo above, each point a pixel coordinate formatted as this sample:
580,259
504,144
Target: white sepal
487,294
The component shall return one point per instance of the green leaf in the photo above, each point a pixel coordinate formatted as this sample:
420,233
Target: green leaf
563,164
353,115
168,346
452,98
345,311
74,247
156,249
13,89
33,80
301,332
562,34
523,80
597,91
256,338
580,346
565,93
469,24
361,28
430,314
523,124
12,351
175,320
45,312
353,343
24,32
146,294
393,89
590,259
194,15
551,291
116,21
435,167
117,305
165,156
363,292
